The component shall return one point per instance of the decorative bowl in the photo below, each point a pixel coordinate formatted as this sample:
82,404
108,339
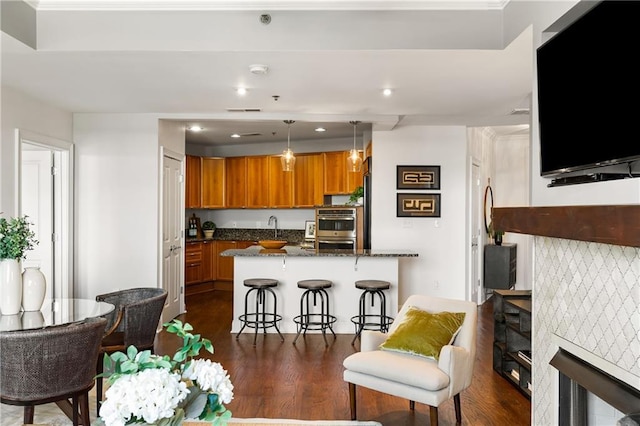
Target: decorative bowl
272,244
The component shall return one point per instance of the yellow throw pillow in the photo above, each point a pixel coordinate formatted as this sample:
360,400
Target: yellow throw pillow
423,333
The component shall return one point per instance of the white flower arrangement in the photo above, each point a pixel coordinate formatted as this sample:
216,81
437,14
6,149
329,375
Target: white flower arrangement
152,389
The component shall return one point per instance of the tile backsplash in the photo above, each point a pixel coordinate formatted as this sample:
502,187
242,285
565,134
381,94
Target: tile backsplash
588,294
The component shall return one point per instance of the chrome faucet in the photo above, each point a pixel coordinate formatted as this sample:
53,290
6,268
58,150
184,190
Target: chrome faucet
275,229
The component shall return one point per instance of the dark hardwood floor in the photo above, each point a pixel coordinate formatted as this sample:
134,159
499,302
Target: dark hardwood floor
304,381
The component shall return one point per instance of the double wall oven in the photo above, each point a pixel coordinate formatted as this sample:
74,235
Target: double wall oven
337,228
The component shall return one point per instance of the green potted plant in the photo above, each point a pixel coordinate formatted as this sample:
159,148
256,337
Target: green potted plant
356,195
15,239
208,228
496,234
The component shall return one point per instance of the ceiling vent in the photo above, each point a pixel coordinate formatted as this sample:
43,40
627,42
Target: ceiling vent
244,135
244,110
520,111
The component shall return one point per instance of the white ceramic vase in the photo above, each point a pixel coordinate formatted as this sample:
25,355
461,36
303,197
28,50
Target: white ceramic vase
34,288
32,319
11,286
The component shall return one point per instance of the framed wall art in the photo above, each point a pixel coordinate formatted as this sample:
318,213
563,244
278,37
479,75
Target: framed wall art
418,177
309,230
418,205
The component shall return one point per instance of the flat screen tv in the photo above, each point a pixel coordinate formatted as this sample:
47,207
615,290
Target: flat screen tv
589,91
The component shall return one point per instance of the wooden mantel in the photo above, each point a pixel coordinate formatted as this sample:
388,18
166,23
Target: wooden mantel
615,224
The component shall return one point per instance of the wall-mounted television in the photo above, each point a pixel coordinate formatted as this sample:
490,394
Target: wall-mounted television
589,92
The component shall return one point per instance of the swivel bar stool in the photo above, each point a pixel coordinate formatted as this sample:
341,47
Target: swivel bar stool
366,319
310,318
260,318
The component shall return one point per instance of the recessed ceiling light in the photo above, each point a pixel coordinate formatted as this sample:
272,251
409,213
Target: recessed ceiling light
195,128
387,92
241,91
235,135
320,129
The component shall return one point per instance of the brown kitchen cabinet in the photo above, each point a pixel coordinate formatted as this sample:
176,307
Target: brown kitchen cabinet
225,263
193,183
209,260
280,188
213,182
337,179
258,181
236,182
193,271
308,180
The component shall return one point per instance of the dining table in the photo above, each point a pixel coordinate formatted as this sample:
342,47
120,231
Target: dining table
57,311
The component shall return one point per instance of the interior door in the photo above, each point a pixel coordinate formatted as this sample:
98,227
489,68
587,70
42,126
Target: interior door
474,258
172,239
37,203
45,180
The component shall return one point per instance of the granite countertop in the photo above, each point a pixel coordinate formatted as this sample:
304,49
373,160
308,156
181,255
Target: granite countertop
297,251
293,236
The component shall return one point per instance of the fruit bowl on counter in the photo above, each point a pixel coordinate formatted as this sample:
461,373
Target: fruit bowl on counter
272,244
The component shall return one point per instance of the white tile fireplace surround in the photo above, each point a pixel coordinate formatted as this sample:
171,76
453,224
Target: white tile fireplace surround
586,295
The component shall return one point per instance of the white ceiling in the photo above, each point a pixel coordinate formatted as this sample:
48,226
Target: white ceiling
446,61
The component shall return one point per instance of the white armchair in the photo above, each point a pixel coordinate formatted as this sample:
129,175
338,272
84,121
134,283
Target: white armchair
414,377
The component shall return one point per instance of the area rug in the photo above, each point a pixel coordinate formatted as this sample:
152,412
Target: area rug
50,415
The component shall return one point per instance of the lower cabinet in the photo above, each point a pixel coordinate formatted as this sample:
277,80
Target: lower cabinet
225,263
209,260
204,265
193,272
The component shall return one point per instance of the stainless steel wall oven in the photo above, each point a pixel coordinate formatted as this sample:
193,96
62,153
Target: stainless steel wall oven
336,228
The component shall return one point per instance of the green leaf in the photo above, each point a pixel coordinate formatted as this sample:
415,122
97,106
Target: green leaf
196,405
132,351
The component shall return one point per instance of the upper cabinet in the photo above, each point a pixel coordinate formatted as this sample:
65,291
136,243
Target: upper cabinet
280,186
338,180
308,180
213,178
193,188
236,182
258,182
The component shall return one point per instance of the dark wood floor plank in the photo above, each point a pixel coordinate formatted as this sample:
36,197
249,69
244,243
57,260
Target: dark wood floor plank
304,381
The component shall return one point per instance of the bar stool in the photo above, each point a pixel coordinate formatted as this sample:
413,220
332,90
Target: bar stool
309,318
260,317
367,320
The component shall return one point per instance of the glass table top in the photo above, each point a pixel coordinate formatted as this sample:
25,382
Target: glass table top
55,312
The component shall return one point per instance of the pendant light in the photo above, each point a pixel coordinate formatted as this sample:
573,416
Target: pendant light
288,160
354,162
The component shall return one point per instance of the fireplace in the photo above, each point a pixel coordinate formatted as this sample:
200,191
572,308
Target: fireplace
578,379
586,296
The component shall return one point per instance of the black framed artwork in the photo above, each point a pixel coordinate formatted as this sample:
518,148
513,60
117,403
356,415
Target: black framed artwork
418,177
418,205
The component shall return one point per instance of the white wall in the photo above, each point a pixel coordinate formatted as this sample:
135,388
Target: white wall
511,189
117,188
20,111
439,269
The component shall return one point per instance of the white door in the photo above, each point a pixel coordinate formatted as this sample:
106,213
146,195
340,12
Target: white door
474,258
172,247
37,203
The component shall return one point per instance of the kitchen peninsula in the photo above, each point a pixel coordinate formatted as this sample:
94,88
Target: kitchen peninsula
294,263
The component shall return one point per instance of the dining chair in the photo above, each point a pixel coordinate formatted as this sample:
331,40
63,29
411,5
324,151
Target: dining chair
51,364
134,321
426,356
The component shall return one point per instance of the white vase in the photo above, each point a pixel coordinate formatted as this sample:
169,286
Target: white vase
32,319
34,288
10,322
11,285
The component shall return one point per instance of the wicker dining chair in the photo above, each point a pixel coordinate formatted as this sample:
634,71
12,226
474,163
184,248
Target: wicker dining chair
134,321
51,364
